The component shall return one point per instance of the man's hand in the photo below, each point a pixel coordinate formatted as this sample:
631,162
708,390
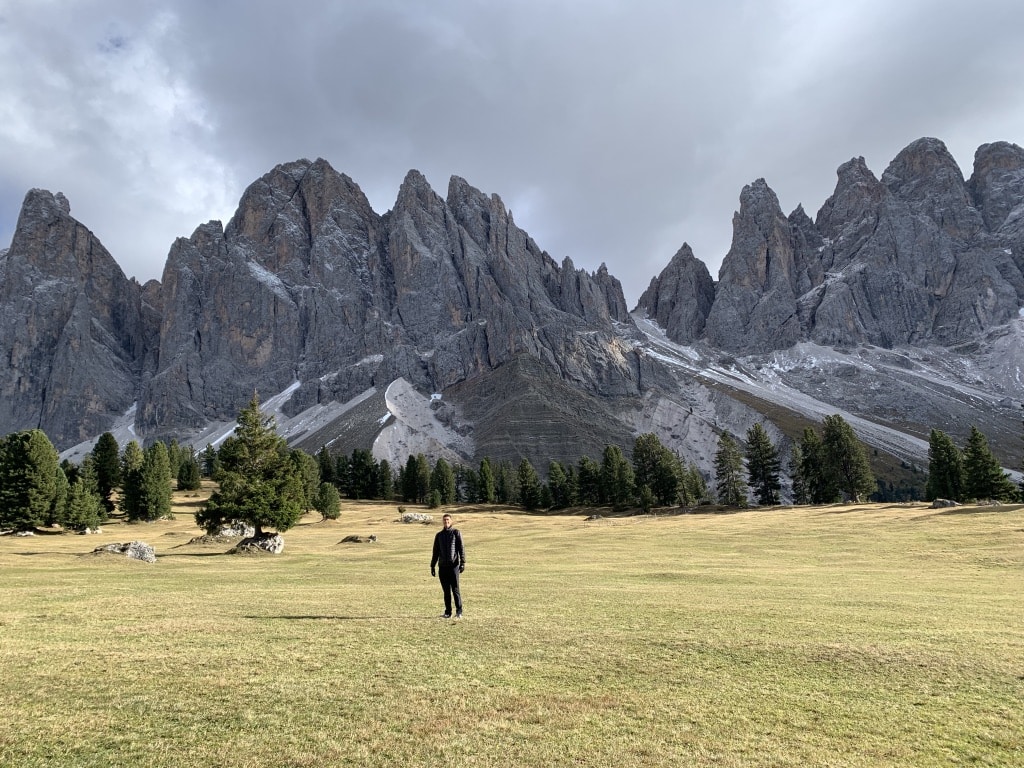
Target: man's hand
462,568
433,572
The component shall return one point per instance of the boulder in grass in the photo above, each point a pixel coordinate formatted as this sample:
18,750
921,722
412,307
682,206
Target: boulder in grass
269,543
944,503
133,550
353,539
416,517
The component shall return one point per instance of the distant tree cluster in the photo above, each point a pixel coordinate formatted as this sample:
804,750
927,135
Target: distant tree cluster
830,466
262,482
971,474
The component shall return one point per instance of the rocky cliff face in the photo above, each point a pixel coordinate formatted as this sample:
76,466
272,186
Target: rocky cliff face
306,283
919,256
73,327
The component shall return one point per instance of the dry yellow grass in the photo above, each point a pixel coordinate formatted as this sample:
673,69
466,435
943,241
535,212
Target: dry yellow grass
852,636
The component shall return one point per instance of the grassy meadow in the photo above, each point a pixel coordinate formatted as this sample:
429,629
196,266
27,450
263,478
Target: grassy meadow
837,636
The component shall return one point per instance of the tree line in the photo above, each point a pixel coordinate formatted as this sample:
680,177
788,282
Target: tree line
263,482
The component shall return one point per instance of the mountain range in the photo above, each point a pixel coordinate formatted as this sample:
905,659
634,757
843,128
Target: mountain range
440,326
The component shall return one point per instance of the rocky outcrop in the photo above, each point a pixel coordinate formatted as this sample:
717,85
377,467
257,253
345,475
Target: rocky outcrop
917,257
74,330
680,298
307,283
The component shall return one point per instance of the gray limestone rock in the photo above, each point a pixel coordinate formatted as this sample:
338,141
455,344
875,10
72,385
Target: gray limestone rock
133,550
72,327
269,543
680,298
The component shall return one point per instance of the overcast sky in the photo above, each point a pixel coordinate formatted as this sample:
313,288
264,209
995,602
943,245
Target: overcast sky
615,130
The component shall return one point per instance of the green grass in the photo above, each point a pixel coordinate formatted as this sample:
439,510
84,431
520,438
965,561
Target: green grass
840,636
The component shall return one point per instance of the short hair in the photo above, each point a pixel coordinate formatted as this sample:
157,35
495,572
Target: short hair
446,515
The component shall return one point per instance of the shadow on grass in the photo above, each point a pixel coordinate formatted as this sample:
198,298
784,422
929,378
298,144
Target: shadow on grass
326,617
174,555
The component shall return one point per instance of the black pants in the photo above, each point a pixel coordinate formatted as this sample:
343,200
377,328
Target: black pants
450,584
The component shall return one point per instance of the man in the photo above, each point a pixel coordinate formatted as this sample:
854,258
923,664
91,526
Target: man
450,560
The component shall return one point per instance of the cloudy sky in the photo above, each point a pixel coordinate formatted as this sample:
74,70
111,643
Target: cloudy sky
615,130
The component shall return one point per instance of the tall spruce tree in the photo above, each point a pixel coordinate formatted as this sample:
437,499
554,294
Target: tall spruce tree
84,509
729,473
154,489
559,486
30,491
189,477
945,468
258,481
529,485
763,466
983,476
617,482
131,500
486,492
656,467
820,484
796,475
107,460
846,459
588,482
385,480
442,480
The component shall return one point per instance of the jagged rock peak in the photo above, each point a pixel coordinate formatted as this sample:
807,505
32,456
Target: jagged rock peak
42,202
997,183
858,191
680,298
922,166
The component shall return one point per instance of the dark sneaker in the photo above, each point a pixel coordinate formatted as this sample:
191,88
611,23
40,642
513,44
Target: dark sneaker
458,616
446,615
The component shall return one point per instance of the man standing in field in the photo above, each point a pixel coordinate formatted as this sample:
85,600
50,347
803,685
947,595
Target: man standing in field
450,560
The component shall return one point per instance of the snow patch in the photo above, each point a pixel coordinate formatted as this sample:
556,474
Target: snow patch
269,279
123,431
414,428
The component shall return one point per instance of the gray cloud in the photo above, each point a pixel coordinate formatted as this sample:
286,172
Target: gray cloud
614,130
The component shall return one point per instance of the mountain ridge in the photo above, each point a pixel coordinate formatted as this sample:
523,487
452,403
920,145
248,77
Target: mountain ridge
309,295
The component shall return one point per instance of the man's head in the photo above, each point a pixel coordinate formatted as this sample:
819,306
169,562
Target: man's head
446,520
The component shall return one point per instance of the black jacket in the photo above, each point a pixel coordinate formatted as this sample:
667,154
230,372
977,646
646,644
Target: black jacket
448,551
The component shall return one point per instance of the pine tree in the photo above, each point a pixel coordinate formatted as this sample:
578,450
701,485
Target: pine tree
154,499
30,491
820,484
796,475
486,492
328,502
845,459
588,482
729,473
558,485
442,480
529,485
695,486
656,467
362,474
84,508
617,482
945,468
308,471
131,481
983,476
258,481
385,480
211,462
408,480
326,463
763,466
505,488
106,458
422,476
188,472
